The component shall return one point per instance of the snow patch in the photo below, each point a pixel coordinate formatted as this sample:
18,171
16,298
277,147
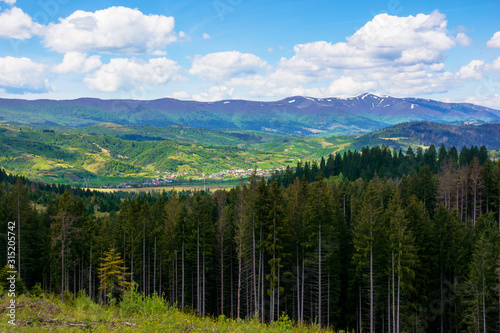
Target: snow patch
227,102
412,106
291,101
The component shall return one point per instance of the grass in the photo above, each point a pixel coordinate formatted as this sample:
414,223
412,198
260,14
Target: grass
135,313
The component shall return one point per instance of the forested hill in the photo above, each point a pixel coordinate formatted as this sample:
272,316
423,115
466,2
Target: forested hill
418,252
296,115
426,133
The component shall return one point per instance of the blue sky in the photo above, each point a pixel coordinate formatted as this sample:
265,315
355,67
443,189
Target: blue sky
250,49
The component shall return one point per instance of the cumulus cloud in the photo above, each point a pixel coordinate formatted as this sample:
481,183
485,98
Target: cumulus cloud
214,93
491,101
128,74
117,30
437,67
463,39
10,2
76,62
19,75
472,71
384,41
224,65
180,95
494,66
14,23
206,36
494,41
389,54
348,86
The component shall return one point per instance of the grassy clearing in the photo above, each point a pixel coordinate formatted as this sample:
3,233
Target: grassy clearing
135,313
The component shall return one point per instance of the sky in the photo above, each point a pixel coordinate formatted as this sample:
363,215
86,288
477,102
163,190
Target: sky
210,50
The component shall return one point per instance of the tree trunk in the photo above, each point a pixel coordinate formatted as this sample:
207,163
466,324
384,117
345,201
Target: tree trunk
298,287
62,260
198,300
372,327
388,304
144,258
239,287
222,275
182,278
90,272
19,231
319,278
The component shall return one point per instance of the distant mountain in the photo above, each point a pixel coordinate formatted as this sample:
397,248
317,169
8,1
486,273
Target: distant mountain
292,116
426,133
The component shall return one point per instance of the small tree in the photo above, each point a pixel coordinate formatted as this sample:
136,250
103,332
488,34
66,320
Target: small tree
112,274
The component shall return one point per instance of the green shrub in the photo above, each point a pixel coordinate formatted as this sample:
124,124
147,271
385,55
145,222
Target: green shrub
132,302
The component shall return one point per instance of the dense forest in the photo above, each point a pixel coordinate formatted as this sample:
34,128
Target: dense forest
377,240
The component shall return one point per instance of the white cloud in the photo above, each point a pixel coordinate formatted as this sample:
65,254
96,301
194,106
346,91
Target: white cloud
472,71
128,74
21,74
224,65
390,55
10,2
180,95
384,41
494,41
463,39
437,67
14,23
494,66
214,93
491,101
347,86
118,30
76,62
206,36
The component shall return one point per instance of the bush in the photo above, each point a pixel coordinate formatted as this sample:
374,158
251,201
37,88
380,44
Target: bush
132,302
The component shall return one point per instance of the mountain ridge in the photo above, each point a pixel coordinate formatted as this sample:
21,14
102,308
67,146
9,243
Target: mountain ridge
295,115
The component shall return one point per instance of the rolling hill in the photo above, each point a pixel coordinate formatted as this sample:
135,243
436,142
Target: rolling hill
299,116
426,133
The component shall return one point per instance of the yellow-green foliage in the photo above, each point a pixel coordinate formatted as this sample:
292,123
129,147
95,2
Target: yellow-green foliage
135,313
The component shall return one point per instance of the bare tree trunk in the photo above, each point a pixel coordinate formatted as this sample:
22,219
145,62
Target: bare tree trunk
183,274
144,258
154,269
319,278
393,296
298,287
303,287
222,276
399,289
198,303
388,304
254,276
132,260
90,272
372,327
239,287
204,291
62,260
328,303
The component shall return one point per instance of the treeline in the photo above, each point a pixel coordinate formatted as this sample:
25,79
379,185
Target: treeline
381,161
418,252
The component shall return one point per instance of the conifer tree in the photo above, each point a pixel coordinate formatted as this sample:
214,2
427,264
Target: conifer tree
112,274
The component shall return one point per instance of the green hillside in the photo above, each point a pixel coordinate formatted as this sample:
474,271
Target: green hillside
62,157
